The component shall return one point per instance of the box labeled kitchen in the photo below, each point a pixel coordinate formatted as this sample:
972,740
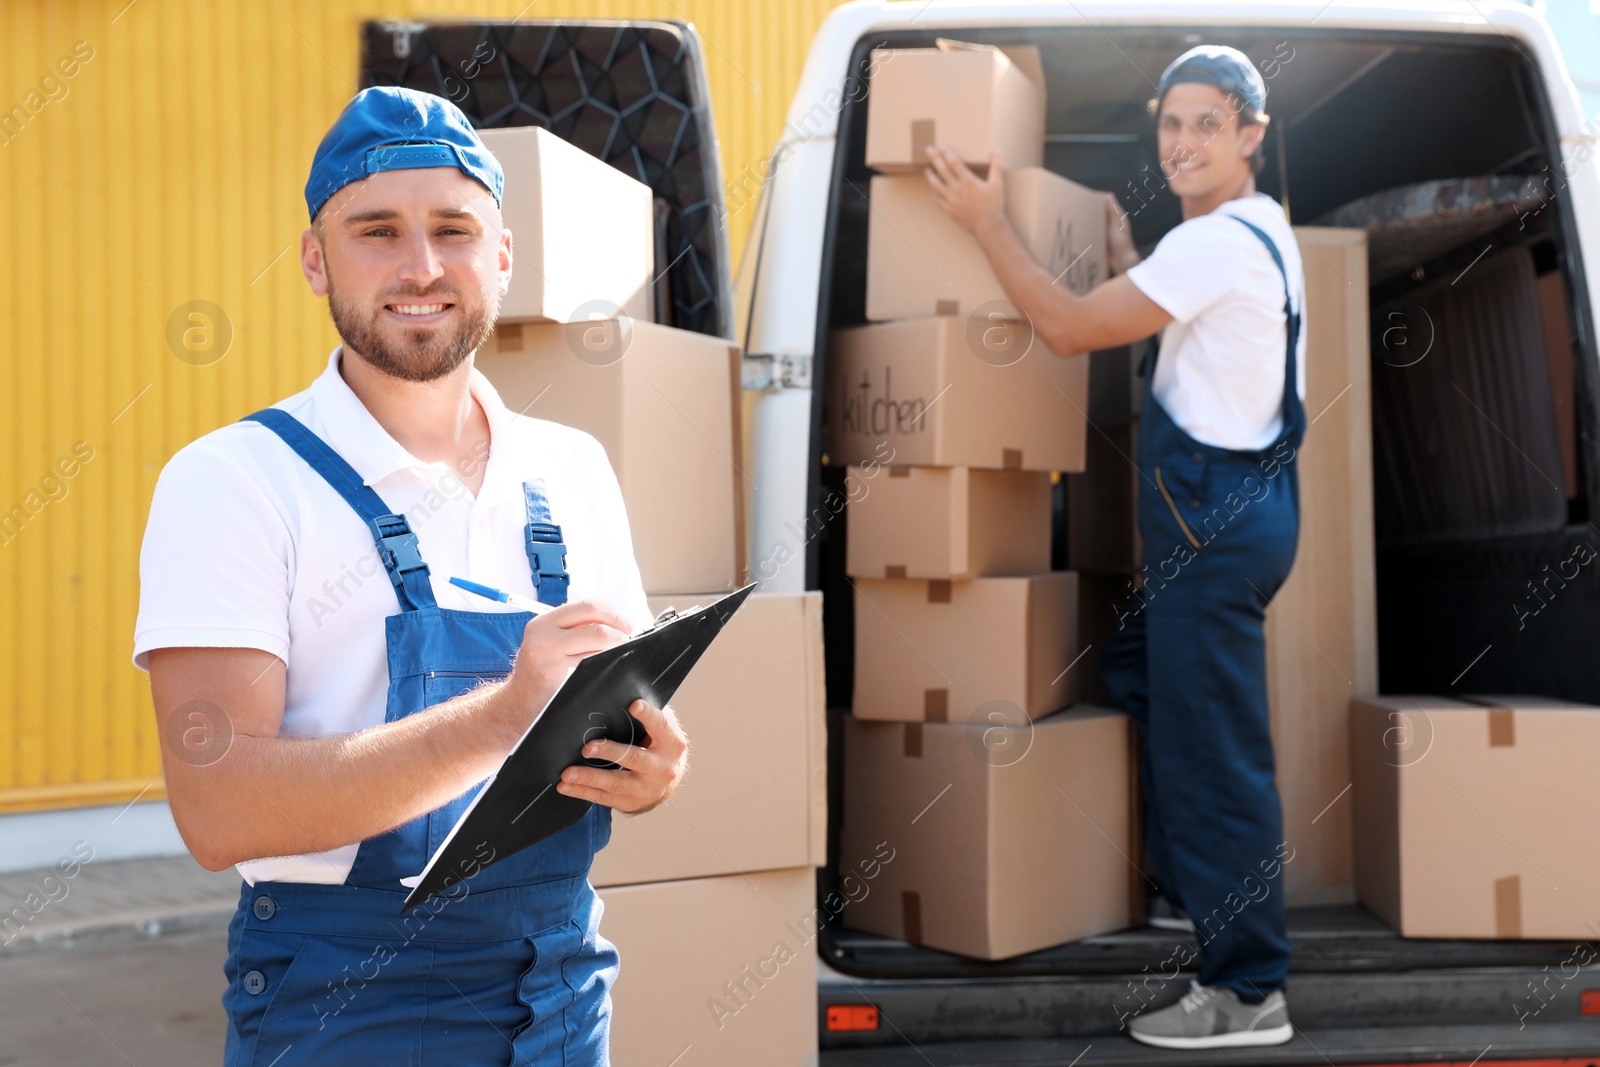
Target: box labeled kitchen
943,391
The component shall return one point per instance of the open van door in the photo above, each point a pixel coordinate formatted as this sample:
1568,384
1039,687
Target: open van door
778,289
632,93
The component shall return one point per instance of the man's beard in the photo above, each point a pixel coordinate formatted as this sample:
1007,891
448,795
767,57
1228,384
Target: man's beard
423,355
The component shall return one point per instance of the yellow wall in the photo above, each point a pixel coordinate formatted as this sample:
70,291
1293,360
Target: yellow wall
171,170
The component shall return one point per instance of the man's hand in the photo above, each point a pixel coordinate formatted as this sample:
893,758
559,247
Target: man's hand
1111,314
552,645
648,775
1119,235
968,199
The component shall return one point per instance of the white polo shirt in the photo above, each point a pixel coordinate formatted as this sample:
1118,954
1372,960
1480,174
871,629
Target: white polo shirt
248,547
1220,375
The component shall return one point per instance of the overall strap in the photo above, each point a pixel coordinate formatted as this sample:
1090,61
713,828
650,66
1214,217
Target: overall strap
547,554
397,545
1294,415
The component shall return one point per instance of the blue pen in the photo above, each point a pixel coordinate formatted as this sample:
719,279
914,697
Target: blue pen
491,593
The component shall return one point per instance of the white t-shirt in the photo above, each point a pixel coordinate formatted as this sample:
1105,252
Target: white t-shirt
1220,375
248,547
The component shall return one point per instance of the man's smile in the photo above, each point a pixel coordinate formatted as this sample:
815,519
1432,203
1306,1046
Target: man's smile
415,313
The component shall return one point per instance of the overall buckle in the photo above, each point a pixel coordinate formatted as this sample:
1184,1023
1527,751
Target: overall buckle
397,547
547,554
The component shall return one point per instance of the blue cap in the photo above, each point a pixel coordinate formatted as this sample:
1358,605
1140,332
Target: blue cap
1214,64
389,128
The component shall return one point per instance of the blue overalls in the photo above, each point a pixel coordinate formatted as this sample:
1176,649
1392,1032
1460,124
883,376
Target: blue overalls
1189,664
505,967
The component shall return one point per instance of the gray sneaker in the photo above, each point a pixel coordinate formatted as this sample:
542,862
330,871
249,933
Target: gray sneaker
1215,1017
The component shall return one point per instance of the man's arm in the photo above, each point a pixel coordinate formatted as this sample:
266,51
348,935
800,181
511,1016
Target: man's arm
1112,314
264,795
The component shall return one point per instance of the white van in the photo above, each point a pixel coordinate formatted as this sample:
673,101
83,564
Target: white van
1453,129
1364,98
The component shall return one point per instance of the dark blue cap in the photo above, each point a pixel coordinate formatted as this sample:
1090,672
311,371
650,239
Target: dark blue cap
1214,64
389,128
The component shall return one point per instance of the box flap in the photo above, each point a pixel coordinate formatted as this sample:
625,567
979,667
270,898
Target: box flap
1025,57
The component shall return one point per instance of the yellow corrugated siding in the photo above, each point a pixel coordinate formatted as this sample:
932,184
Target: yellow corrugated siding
171,171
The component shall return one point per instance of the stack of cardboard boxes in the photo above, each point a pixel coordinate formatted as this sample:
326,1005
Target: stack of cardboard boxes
700,893
1008,819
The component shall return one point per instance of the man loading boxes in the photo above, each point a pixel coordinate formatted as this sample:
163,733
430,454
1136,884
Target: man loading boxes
1221,421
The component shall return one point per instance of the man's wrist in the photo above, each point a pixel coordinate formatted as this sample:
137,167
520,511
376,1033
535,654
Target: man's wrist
989,225
499,712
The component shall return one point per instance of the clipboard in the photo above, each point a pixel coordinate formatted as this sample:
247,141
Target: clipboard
519,806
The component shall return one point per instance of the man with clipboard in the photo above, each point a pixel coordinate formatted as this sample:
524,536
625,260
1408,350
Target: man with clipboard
325,742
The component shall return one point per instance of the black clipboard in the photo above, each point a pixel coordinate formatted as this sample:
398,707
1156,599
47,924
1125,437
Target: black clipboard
519,805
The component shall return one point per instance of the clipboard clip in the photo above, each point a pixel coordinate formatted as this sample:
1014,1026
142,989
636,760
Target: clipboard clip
667,615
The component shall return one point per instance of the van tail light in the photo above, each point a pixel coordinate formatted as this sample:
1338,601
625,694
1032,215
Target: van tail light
845,1017
1589,1002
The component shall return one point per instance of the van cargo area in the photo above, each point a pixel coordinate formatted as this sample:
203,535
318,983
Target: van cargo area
1443,147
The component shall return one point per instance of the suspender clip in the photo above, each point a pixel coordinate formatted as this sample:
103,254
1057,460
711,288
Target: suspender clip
397,546
547,554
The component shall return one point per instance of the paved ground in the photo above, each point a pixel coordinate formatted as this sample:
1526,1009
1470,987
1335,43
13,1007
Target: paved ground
145,1004
106,900
119,964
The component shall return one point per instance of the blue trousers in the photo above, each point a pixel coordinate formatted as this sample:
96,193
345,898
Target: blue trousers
497,976
1188,663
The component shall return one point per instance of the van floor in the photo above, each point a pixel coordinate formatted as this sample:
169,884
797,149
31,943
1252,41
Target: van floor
1559,1045
1354,997
1338,938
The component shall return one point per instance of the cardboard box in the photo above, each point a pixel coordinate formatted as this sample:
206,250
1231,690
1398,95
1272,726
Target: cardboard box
947,522
1004,840
1470,817
755,795
977,99
1321,628
921,262
961,651
953,392
582,231
665,404
1102,516
715,972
